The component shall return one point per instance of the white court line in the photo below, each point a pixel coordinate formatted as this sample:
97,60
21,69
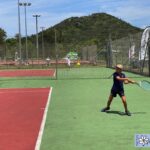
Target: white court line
39,139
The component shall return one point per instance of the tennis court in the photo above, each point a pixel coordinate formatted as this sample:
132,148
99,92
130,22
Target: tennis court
74,120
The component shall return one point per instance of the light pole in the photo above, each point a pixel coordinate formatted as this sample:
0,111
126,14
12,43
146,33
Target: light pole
43,49
37,38
25,12
19,28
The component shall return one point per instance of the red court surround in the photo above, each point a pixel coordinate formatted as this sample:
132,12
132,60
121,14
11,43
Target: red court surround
21,113
25,73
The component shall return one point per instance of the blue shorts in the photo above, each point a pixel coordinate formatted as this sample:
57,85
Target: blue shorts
114,93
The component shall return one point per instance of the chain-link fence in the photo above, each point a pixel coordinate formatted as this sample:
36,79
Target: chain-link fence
127,51
79,59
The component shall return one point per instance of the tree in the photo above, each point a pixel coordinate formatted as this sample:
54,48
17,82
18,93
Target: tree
2,36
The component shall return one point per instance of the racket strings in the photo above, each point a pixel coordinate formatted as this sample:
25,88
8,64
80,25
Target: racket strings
145,85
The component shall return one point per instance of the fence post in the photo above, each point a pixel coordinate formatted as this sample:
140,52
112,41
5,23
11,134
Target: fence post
56,54
109,53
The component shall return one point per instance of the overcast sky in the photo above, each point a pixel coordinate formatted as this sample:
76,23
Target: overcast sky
135,12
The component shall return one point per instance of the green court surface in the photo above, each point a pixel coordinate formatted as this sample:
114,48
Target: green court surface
74,120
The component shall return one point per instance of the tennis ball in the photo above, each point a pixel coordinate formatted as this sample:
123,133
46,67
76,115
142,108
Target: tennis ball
78,64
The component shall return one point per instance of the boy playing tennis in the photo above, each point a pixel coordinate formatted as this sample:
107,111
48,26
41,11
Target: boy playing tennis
118,78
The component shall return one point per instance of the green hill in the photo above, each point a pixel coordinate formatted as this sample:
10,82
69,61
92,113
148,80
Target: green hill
95,28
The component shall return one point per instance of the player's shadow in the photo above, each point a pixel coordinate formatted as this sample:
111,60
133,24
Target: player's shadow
123,113
116,112
136,113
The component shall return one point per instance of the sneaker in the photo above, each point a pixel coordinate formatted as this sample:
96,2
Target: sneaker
105,109
128,113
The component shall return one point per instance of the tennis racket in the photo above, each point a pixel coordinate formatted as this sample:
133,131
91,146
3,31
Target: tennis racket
145,85
110,76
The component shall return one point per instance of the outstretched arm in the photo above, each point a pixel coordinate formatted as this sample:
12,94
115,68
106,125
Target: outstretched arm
125,79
